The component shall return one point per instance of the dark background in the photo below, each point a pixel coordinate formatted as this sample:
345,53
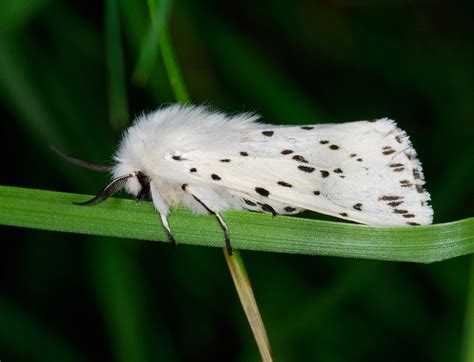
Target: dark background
74,297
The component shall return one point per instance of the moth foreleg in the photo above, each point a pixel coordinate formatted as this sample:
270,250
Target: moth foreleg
221,222
166,226
226,232
162,208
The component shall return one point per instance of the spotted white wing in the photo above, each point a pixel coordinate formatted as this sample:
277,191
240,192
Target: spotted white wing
363,171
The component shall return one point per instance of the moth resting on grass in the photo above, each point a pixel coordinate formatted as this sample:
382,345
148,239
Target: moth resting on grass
209,162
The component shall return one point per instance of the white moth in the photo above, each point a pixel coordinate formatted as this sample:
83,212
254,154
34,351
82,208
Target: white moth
209,162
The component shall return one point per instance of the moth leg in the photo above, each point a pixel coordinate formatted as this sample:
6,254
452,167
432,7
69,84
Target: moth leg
221,222
268,208
166,226
163,209
226,232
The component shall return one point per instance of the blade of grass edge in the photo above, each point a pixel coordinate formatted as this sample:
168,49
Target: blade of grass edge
118,105
235,262
51,210
150,48
172,68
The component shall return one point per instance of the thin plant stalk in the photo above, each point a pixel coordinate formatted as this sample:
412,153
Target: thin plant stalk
235,262
247,299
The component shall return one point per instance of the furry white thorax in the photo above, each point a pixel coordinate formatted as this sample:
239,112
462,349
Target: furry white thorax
209,161
155,137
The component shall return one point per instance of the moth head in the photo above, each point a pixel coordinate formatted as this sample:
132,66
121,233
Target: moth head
139,186
136,183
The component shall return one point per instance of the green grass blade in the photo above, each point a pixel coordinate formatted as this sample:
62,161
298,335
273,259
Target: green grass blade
150,48
118,105
172,68
51,210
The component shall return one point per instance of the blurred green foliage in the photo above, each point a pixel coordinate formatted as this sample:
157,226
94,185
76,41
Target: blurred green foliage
72,297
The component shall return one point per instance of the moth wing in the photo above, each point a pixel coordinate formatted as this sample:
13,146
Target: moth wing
361,171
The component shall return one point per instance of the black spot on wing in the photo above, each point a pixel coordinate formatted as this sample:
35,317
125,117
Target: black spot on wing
317,193
177,158
399,211
405,183
389,198
307,128
268,133
261,191
306,169
216,177
334,147
412,223
184,187
323,142
416,174
344,214
408,216
395,203
337,170
387,150
289,209
268,208
397,167
284,184
299,158
243,153
358,206
324,173
225,160
286,152
192,170
250,203
419,189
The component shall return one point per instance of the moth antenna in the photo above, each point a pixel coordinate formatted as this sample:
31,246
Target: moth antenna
115,185
82,163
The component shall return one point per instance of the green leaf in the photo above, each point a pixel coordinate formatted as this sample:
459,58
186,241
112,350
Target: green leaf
51,210
118,105
172,68
150,49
